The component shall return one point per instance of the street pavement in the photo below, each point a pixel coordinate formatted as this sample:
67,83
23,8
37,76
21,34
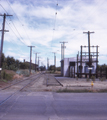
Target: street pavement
54,106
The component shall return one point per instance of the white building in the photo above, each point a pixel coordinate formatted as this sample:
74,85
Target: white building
69,67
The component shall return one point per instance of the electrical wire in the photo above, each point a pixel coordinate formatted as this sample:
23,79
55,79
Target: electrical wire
18,18
91,12
54,26
3,8
13,24
15,33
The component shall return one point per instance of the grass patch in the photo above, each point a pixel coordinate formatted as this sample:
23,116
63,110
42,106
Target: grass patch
93,78
82,91
87,79
102,91
76,78
74,91
6,76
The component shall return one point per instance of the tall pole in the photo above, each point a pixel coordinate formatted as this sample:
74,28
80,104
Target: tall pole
2,39
47,63
63,49
36,60
89,51
81,63
54,61
30,58
97,61
77,65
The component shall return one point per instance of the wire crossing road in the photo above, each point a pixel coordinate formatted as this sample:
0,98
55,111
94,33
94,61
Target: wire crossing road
54,106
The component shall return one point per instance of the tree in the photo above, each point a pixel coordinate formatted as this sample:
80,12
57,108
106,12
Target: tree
51,67
58,68
42,68
24,65
10,61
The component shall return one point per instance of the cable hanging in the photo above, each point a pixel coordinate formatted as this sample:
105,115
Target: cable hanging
15,33
54,26
13,22
18,19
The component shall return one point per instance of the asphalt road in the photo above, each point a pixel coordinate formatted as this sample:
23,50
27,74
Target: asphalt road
54,106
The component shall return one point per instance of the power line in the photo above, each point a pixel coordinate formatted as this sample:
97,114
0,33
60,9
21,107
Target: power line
17,18
13,23
3,8
16,30
15,33
54,26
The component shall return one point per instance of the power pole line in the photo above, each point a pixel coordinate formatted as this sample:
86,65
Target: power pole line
89,50
54,61
63,49
30,58
2,39
36,60
47,63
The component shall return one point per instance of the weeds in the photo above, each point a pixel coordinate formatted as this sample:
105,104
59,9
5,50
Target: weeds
74,91
87,79
76,78
6,76
102,79
82,91
93,78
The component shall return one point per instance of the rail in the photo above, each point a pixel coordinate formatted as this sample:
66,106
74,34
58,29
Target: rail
33,79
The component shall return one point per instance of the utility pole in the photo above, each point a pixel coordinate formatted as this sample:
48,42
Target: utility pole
2,39
54,60
63,49
36,60
47,63
89,51
81,63
30,58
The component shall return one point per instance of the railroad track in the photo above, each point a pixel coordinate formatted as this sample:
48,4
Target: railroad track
23,85
52,81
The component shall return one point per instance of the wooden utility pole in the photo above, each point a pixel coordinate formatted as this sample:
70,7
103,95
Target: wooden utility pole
81,63
63,50
2,39
89,50
77,65
97,61
47,63
54,61
30,58
36,60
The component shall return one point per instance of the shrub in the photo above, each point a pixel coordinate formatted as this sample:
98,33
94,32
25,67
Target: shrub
88,79
103,78
93,78
6,76
76,78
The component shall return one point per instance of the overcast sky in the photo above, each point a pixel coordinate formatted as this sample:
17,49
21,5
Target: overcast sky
45,23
